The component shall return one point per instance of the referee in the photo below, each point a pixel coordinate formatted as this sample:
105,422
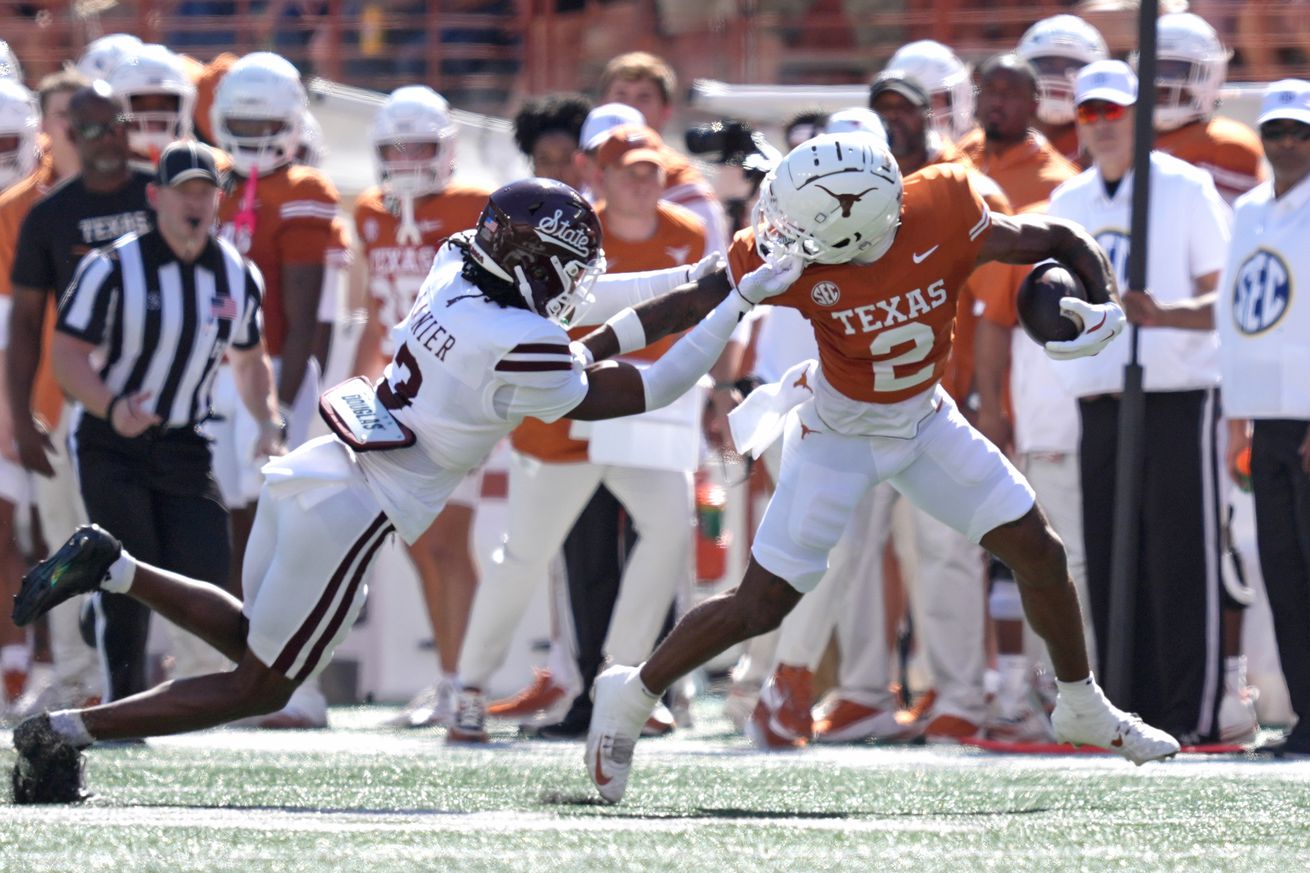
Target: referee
140,332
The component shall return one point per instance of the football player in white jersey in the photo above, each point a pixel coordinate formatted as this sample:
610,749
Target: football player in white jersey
483,347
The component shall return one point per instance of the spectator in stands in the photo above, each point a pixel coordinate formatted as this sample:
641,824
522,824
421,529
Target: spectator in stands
547,130
648,84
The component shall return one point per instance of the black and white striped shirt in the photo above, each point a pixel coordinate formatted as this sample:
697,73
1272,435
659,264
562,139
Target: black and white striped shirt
160,325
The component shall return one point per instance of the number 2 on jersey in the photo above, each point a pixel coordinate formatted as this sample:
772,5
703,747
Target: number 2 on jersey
884,371
402,393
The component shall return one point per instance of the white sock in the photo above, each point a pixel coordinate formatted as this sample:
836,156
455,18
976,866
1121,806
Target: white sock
1084,695
642,685
1235,672
15,658
121,573
68,724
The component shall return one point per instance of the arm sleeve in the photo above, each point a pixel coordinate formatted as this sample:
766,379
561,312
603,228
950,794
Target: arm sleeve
84,309
539,376
33,267
251,328
615,292
691,357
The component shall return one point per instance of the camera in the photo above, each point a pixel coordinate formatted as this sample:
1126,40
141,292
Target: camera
730,142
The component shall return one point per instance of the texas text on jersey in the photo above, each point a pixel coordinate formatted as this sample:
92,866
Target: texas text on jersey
884,330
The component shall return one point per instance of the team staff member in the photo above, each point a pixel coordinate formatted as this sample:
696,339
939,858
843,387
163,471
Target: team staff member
1264,344
160,309
1177,661
101,203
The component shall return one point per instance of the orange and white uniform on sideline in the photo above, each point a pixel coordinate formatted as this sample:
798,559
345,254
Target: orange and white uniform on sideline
1026,172
552,477
1226,149
686,186
206,80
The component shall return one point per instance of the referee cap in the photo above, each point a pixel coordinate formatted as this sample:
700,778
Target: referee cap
1288,98
184,161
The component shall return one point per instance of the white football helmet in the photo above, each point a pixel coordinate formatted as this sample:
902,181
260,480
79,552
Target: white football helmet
102,55
9,66
1058,47
940,72
19,120
154,70
833,199
260,87
1191,65
857,118
313,148
415,114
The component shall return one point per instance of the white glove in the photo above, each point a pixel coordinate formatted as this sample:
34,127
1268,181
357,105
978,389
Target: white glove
770,278
1101,322
711,263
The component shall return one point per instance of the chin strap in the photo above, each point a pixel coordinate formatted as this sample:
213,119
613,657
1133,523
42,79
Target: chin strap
408,232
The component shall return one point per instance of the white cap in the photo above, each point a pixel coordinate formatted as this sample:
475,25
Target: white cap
1287,98
1111,81
601,120
856,119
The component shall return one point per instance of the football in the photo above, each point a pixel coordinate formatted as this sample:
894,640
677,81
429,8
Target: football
1038,303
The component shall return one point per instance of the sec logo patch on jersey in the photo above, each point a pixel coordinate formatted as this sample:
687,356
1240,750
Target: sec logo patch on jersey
1261,292
825,293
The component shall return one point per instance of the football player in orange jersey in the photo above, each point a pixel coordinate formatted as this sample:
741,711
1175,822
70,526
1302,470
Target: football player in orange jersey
400,222
1058,47
1191,66
884,265
279,214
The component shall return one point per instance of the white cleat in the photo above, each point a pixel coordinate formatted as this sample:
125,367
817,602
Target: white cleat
1112,729
621,707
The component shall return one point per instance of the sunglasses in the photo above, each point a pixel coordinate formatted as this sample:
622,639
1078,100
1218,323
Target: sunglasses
96,129
1091,110
1274,131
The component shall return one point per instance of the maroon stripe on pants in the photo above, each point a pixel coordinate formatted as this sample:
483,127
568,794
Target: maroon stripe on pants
342,608
306,630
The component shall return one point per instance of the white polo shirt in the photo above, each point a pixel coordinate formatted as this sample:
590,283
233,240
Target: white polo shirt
1190,227
1262,314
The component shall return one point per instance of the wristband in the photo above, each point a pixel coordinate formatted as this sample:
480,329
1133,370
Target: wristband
628,330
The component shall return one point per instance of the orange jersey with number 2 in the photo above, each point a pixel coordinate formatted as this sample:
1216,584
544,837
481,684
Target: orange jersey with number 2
884,329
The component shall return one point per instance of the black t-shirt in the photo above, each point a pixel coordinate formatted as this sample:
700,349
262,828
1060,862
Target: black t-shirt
70,221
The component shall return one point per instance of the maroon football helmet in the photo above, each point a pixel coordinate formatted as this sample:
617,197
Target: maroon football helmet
543,238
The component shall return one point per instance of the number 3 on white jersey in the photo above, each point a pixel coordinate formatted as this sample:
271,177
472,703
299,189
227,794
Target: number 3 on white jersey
885,379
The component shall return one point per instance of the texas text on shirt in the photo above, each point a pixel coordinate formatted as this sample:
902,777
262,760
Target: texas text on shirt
397,267
1226,149
884,330
292,224
1182,196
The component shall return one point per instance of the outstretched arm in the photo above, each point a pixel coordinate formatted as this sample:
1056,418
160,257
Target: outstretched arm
676,311
1027,239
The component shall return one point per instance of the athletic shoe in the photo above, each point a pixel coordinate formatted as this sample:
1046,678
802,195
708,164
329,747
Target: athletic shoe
946,728
434,706
621,706
740,703
1113,729
49,768
1238,722
470,718
760,732
786,700
842,719
544,701
1293,745
79,566
1027,725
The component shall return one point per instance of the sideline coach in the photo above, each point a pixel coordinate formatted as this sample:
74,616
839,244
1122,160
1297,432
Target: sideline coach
140,333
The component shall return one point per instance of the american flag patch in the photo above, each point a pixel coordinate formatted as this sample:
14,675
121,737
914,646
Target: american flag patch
223,307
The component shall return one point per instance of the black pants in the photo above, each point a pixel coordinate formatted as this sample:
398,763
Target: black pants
1282,529
157,494
1177,658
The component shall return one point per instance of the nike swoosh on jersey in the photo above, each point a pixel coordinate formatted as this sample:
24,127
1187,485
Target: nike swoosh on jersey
920,258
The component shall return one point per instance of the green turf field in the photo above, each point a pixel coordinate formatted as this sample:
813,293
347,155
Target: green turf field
361,799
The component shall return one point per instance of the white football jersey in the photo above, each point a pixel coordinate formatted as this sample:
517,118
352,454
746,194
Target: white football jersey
464,374
1264,324
1189,231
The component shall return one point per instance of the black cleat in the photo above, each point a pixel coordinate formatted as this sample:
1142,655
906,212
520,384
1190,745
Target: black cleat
79,566
49,768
